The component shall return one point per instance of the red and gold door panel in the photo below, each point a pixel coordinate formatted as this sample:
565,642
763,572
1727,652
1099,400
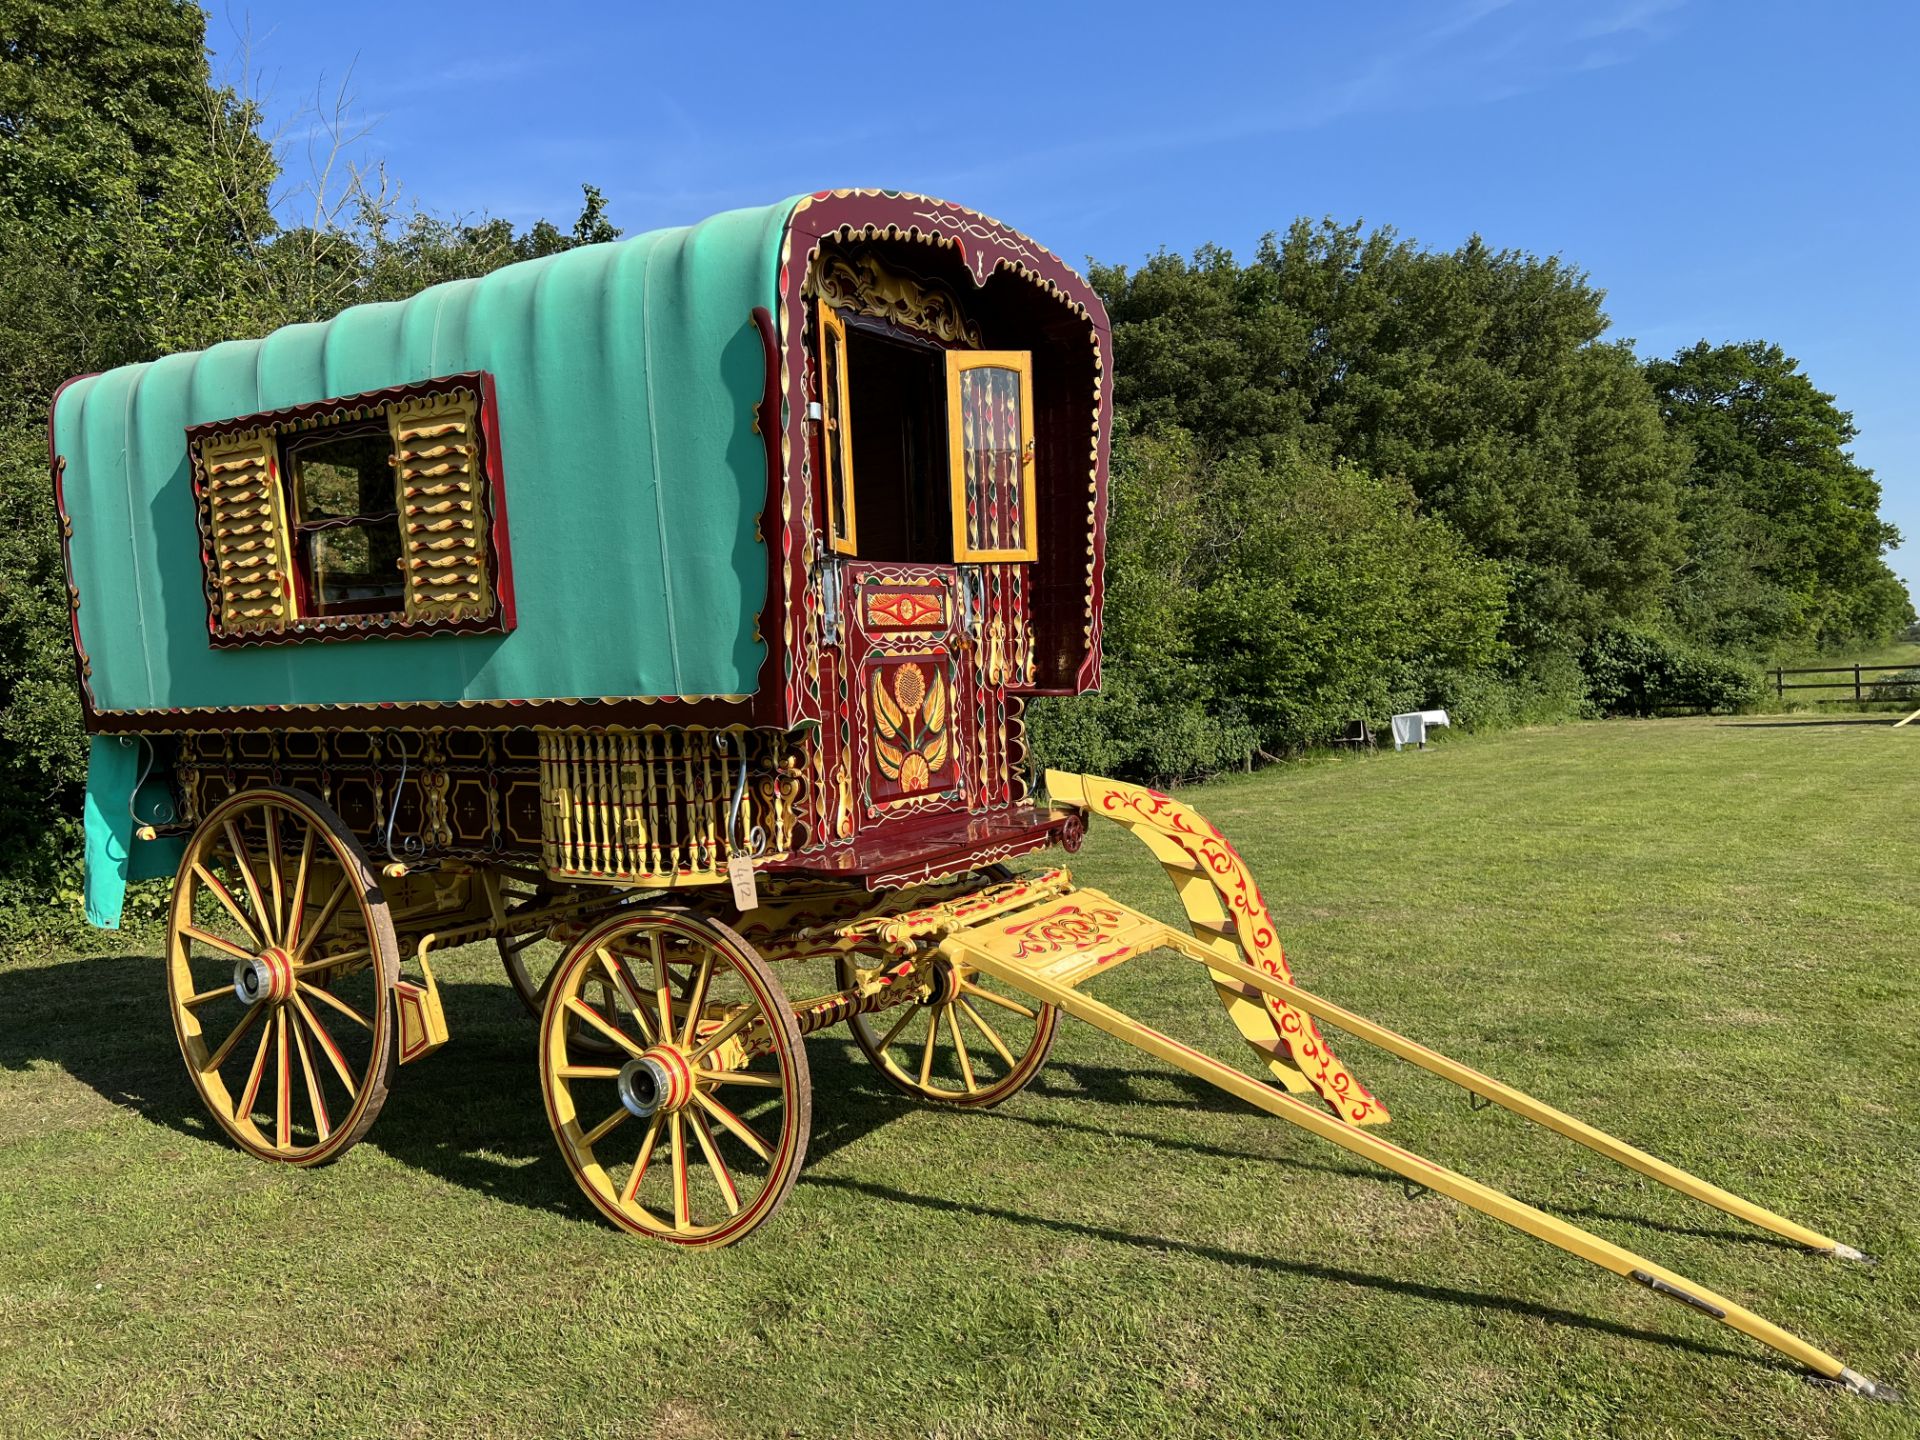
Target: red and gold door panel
911,690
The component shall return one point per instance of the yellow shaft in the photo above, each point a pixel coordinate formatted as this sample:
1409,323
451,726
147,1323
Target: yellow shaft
1523,1104
1405,1163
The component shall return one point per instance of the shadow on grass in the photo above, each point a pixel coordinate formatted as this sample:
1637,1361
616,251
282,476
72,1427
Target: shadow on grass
472,1115
1443,1294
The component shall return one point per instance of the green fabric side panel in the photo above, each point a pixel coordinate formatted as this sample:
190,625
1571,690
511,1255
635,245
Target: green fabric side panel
112,855
627,377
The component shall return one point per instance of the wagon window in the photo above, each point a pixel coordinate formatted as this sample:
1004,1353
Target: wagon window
991,469
900,447
374,514
346,520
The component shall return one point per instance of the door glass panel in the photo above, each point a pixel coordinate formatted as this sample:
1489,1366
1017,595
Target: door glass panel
993,455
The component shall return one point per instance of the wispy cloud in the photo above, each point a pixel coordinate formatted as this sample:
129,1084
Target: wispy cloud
1482,52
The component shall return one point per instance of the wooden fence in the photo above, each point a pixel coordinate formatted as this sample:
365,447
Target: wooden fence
1907,687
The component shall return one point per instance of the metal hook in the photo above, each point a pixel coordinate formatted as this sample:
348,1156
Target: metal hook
413,847
755,837
164,816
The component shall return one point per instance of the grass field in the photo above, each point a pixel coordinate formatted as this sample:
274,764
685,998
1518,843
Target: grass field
1696,934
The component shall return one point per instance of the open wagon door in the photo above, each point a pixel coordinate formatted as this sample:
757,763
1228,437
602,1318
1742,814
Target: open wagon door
929,546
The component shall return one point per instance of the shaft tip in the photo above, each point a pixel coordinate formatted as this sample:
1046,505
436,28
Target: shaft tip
1861,1385
1847,1252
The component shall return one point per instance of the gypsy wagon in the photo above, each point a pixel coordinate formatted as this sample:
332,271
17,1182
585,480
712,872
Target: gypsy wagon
662,613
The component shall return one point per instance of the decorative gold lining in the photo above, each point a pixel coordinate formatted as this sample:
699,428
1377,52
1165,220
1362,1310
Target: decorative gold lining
666,806
246,523
866,285
443,510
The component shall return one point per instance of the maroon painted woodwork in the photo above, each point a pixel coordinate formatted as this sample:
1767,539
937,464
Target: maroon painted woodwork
951,844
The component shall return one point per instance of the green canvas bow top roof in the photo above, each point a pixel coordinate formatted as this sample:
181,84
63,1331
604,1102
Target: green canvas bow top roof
627,375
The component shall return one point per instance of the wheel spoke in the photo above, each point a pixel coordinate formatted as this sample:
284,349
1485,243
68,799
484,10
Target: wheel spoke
588,1072
605,1128
322,1125
219,1057
298,902
246,876
993,1036
663,984
328,962
327,1047
960,1048
283,1113
697,1001
898,1026
259,1070
643,1159
320,992
677,1131
734,1123
617,973
232,906
739,1077
705,1137
726,1032
325,917
926,1056
1000,1000
226,947
593,1018
276,883
194,1002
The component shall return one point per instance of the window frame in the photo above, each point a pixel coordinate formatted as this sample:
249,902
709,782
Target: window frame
836,433
958,363
266,432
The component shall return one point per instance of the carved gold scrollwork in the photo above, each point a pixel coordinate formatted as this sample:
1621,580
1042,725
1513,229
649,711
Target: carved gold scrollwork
863,284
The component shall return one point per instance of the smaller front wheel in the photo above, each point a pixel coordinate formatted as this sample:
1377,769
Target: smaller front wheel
971,1043
675,1078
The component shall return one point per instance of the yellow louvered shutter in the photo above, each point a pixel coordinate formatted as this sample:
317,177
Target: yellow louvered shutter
443,510
246,534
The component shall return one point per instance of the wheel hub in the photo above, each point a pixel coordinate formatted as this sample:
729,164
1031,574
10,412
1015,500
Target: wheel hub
943,984
266,976
661,1079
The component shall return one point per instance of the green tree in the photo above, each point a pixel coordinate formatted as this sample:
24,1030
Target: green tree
136,220
1257,604
1477,376
1783,528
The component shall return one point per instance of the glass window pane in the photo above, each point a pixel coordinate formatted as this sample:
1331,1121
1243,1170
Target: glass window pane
991,445
348,475
346,518
357,565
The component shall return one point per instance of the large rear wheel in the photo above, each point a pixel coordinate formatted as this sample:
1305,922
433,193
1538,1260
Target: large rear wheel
281,963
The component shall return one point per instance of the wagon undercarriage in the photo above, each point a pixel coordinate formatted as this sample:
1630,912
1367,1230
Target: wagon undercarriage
673,1062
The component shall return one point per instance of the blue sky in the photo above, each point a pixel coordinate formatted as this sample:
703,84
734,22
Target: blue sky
1723,170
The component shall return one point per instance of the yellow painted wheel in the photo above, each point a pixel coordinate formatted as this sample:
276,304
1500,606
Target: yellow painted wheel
694,1128
972,1043
532,959
529,959
281,962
